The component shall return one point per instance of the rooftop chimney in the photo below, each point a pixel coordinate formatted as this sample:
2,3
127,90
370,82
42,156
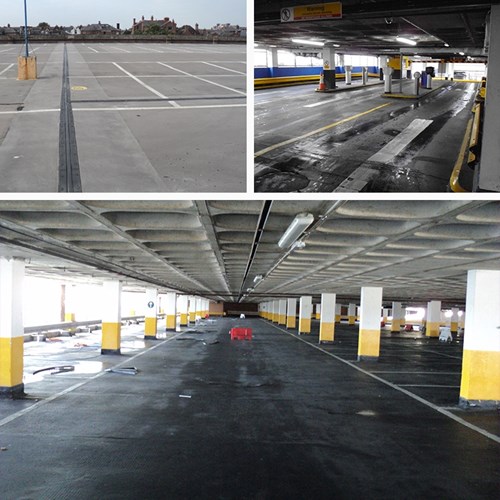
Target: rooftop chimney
152,18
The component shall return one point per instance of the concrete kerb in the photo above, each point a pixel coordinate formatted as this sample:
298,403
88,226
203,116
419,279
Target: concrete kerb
412,96
348,88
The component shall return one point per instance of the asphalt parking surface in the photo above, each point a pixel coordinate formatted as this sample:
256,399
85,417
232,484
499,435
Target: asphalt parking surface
148,117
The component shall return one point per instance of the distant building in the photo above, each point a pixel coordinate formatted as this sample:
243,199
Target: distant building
188,30
229,30
143,24
8,30
100,29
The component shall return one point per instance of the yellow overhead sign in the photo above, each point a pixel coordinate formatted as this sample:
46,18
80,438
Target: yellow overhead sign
316,12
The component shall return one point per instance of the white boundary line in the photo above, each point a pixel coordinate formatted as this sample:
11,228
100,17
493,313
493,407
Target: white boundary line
96,51
227,69
6,69
446,413
146,86
202,79
72,388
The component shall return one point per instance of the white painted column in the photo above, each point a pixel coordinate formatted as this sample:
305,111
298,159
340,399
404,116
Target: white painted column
317,310
170,310
198,305
480,383
11,327
454,320
276,311
327,323
183,307
433,318
351,314
369,324
192,309
305,312
398,317
385,314
111,318
291,313
282,312
338,313
489,172
150,316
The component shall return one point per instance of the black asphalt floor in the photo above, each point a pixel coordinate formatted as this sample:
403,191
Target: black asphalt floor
274,417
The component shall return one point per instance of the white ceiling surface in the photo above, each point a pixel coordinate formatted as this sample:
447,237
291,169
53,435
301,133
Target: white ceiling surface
415,250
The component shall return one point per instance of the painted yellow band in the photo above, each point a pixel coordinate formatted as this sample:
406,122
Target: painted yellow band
337,318
276,317
282,319
290,321
170,321
326,332
369,343
192,316
69,317
305,325
150,327
318,315
396,325
111,336
352,320
184,319
11,361
480,375
454,326
432,329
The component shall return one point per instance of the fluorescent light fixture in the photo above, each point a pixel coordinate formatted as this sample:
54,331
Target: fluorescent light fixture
405,40
257,278
307,42
336,45
462,53
298,245
446,44
297,227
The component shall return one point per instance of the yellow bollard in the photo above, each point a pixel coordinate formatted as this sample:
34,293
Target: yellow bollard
26,68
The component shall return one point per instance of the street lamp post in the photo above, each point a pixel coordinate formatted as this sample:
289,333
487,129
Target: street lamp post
26,42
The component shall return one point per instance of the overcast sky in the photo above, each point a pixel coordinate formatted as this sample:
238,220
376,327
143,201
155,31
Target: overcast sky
206,13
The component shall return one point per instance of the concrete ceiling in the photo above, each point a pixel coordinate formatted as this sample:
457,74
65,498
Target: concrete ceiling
371,26
415,250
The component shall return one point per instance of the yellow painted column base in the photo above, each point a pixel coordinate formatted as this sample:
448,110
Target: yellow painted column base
111,338
454,327
170,322
184,319
282,319
480,383
290,321
396,325
69,317
11,366
150,328
26,68
432,329
352,320
318,315
337,318
192,317
326,332
369,345
304,326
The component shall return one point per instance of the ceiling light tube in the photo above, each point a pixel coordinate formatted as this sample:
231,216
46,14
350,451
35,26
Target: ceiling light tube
307,42
257,278
296,228
405,40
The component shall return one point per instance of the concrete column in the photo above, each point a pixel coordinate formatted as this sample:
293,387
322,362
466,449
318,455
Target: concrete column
317,311
276,311
433,318
150,321
183,308
328,58
489,172
69,303
348,75
338,313
198,306
11,328
454,320
481,358
305,311
369,324
327,324
291,313
461,321
282,312
388,80
274,59
205,306
111,318
170,310
351,314
192,309
365,75
385,314
398,317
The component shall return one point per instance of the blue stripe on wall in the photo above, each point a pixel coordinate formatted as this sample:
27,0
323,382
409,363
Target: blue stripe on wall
315,70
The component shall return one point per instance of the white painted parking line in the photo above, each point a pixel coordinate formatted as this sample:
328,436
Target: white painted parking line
6,69
202,79
321,103
6,50
145,85
149,49
123,50
430,385
439,409
96,51
393,148
227,69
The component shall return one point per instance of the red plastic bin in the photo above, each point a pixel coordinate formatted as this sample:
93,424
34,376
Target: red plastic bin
241,333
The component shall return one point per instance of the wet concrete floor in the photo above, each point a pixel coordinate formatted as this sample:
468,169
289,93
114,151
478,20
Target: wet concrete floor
309,142
207,417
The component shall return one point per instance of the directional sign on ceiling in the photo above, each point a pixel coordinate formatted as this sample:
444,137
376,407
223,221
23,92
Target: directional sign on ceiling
316,12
